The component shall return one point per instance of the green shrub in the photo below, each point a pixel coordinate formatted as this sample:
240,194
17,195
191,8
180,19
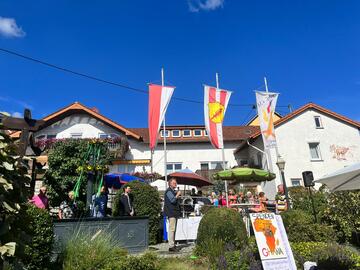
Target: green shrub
85,251
343,212
300,227
146,200
246,258
39,226
326,255
148,261
300,200
222,225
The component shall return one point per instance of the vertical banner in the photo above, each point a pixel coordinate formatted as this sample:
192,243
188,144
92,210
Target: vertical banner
272,242
215,104
159,99
266,103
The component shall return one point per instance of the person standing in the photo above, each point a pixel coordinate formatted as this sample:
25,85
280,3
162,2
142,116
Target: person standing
41,200
100,203
280,198
126,202
68,209
172,211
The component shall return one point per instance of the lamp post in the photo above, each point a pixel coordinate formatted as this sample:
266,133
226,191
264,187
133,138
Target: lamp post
281,165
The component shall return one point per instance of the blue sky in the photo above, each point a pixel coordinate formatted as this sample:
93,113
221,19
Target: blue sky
308,50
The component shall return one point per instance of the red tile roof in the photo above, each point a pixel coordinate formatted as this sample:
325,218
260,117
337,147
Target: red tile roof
231,133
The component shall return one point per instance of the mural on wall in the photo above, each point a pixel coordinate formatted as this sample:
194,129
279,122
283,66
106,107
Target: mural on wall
342,152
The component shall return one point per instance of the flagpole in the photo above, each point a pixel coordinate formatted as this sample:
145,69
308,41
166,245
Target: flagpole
223,151
164,134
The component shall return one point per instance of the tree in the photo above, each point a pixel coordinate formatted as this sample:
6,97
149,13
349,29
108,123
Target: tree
13,195
67,159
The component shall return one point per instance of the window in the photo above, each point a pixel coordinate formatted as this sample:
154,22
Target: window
51,136
296,182
314,151
167,133
76,135
212,165
126,168
204,166
40,137
176,133
318,123
173,167
197,132
103,136
187,133
205,132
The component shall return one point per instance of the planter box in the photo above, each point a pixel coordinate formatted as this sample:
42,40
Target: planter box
131,233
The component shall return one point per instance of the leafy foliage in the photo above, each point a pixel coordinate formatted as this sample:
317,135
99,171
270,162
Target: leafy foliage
13,193
343,212
300,227
223,225
65,158
300,199
146,200
37,224
98,251
327,255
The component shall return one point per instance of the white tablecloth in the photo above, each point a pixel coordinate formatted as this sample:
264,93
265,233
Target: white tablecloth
186,228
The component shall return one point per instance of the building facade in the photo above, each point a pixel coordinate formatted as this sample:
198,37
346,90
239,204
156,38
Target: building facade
311,138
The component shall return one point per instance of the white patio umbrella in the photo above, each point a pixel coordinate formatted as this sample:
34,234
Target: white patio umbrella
347,178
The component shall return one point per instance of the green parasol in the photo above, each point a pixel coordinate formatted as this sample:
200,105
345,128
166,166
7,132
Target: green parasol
245,175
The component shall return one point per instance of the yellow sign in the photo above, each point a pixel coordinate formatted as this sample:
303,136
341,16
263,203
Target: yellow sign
216,112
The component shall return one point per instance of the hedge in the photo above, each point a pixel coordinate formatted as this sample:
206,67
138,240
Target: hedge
220,227
146,200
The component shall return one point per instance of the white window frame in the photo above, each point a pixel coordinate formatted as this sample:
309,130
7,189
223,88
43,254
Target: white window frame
183,133
101,134
201,133
318,151
167,132
172,133
296,179
320,121
173,167
76,135
205,132
47,136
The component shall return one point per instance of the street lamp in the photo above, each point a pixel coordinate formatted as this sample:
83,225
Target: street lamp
281,165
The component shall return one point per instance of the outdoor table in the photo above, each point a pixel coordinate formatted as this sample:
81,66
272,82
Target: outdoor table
245,213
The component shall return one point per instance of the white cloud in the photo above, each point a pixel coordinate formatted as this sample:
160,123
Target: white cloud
9,28
197,5
17,114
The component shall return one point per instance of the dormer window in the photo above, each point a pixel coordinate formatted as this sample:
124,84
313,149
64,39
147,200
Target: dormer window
318,123
176,133
167,133
186,133
197,132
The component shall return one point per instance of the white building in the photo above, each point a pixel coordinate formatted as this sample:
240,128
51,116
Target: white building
311,138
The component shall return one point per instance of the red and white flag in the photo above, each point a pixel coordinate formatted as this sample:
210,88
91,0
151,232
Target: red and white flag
159,99
215,104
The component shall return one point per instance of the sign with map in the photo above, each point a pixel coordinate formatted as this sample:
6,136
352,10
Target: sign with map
268,236
274,248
